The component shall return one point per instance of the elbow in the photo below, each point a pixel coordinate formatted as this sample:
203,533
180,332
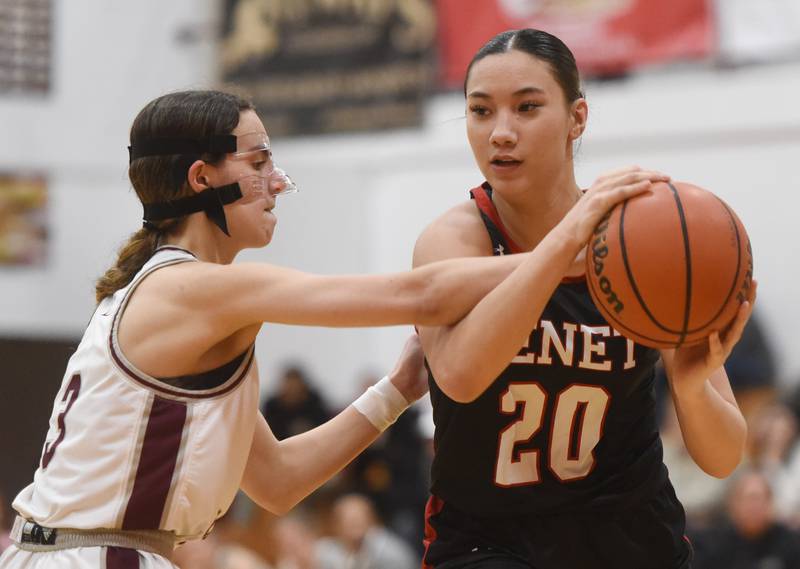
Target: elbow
436,303
273,494
721,471
276,508
281,508
458,383
279,503
431,309
724,467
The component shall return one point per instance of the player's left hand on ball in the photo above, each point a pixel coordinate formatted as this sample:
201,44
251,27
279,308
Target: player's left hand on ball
409,375
724,342
696,363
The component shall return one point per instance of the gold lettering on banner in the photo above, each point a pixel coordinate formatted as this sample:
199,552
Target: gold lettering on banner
419,30
251,35
256,24
384,115
331,39
316,88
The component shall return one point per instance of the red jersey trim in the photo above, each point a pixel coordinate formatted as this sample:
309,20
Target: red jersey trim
432,508
486,205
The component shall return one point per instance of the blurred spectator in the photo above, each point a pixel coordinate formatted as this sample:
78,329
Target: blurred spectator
776,452
793,398
701,494
297,407
751,538
358,542
212,553
393,474
751,369
295,543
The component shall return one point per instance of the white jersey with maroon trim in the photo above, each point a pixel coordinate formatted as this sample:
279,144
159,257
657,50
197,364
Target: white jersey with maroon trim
129,451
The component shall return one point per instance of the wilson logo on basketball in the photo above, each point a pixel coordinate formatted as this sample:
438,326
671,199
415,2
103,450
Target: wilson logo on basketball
679,257
747,282
600,252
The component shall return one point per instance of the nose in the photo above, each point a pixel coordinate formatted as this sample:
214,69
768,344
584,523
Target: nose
280,183
503,132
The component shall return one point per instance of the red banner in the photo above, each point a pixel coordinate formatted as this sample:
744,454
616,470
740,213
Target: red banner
606,36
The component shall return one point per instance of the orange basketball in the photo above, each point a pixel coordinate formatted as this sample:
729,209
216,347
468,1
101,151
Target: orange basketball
670,266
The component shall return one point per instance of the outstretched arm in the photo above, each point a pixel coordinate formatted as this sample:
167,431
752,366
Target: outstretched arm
281,473
212,302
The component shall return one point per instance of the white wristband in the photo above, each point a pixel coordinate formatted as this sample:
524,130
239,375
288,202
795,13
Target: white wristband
381,404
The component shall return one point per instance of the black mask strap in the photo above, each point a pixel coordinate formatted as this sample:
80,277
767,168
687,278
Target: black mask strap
210,201
215,144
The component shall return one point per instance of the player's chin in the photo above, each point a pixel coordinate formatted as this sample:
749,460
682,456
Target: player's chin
260,236
269,231
508,185
263,238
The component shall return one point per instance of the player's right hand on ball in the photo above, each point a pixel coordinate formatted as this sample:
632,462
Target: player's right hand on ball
608,190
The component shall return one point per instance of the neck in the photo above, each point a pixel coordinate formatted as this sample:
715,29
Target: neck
530,215
204,239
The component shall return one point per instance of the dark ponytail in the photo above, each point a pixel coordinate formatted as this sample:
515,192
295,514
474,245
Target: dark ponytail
131,258
185,114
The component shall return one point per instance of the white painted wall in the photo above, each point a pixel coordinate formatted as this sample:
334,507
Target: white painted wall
365,198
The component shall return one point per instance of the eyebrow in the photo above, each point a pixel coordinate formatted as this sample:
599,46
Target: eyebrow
523,91
255,149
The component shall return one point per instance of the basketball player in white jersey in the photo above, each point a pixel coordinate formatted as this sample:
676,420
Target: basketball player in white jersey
156,424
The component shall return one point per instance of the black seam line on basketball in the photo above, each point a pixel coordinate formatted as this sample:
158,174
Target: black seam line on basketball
688,252
620,327
735,278
738,268
635,288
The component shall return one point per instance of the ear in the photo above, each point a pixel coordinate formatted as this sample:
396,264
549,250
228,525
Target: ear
580,113
197,176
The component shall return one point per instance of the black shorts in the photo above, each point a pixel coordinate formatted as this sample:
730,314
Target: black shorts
646,536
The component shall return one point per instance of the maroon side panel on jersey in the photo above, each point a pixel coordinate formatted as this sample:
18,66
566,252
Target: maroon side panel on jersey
121,558
162,442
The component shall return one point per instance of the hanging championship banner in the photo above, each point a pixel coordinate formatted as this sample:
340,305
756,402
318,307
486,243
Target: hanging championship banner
324,66
607,36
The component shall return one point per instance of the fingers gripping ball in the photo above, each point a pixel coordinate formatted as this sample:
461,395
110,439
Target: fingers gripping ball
670,266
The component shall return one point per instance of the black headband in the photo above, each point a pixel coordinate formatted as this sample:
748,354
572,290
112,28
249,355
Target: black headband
215,144
210,200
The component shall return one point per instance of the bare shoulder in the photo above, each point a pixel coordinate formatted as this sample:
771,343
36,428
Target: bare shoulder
181,285
459,232
174,297
176,322
196,285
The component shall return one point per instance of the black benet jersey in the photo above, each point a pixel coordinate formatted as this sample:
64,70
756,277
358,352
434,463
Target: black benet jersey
568,426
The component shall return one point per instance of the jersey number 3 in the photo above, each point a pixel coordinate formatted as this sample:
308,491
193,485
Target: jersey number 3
70,395
578,415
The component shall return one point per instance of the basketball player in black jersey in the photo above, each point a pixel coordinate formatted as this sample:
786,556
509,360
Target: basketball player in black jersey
548,457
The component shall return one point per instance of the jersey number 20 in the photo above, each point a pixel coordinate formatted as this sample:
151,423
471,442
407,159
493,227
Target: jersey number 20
578,415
